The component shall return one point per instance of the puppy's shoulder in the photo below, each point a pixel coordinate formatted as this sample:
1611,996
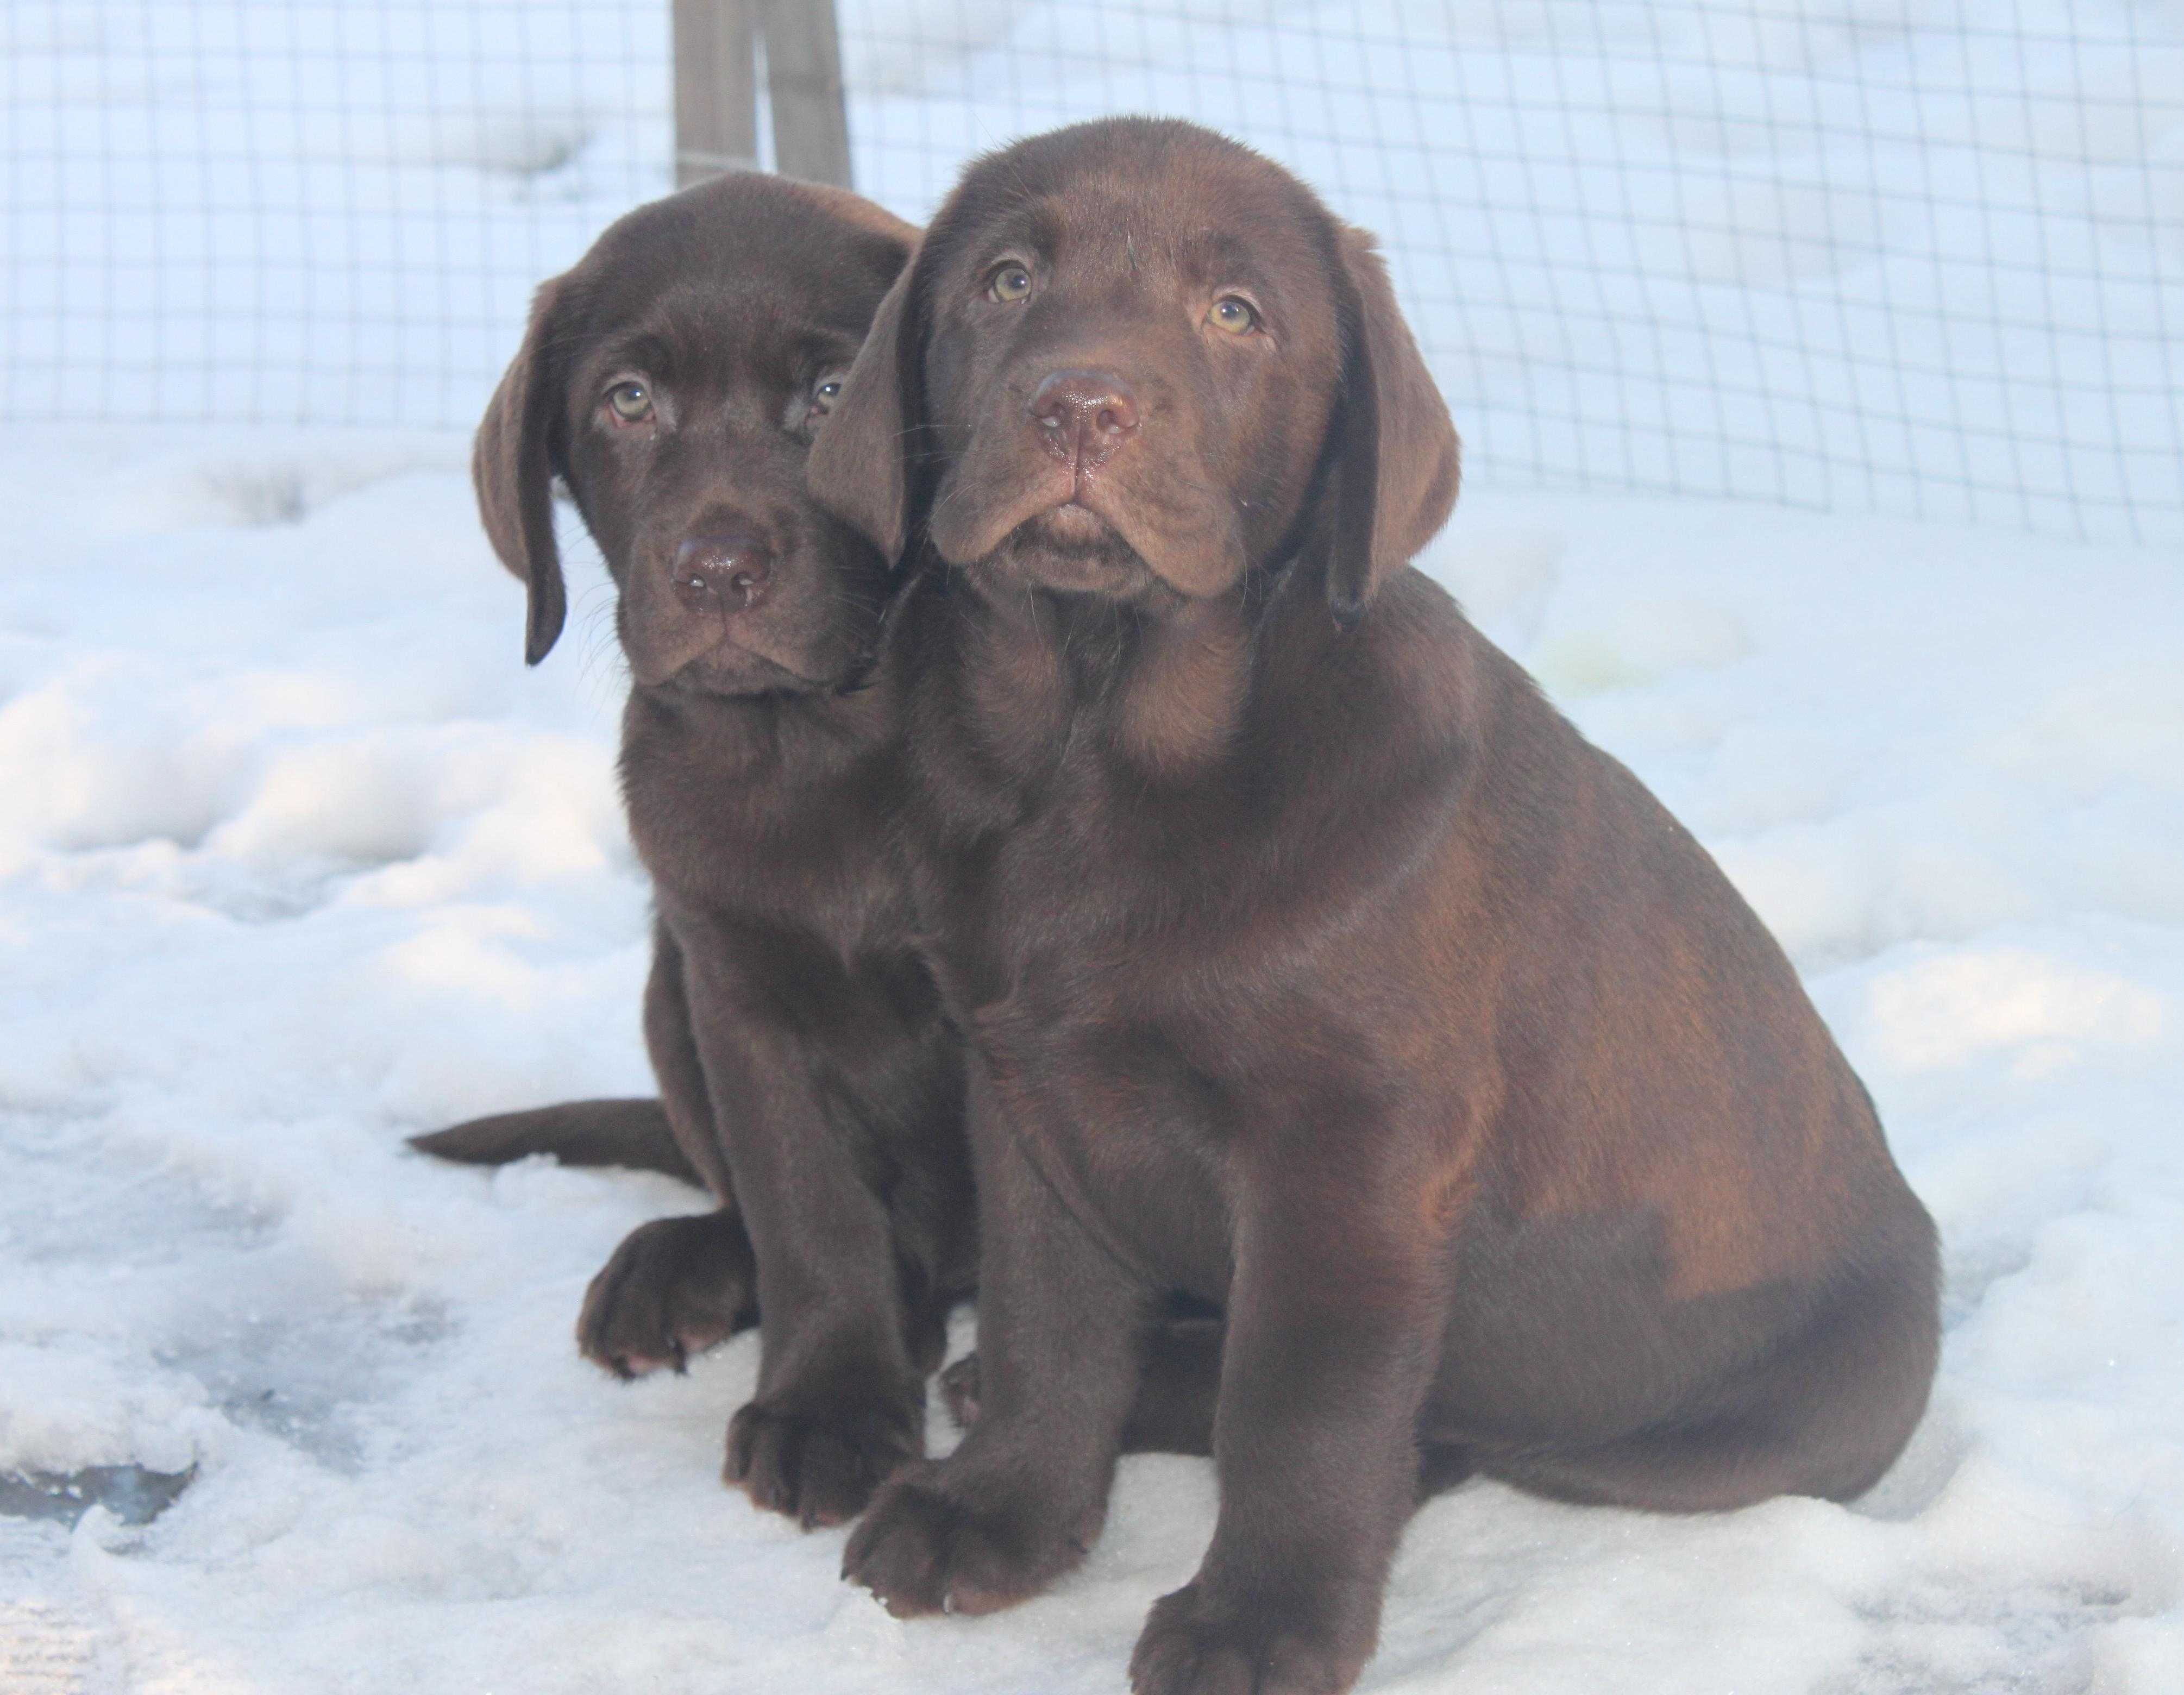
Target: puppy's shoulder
1415,663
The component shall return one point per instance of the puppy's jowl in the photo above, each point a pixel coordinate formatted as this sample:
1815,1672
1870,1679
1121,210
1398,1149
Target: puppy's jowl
675,380
1310,961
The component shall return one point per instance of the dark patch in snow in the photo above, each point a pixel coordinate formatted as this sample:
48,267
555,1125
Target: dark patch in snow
273,491
522,144
274,895
132,1493
261,496
2023,1641
303,1375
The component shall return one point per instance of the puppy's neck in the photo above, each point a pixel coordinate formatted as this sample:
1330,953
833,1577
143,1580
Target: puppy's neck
1181,707
1164,690
780,736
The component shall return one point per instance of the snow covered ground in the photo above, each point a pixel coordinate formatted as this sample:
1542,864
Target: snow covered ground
296,859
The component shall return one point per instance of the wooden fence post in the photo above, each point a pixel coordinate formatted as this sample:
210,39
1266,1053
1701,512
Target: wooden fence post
804,76
715,88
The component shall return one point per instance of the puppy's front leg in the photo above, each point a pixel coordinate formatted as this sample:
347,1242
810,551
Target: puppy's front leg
1334,1320
1060,1323
839,1403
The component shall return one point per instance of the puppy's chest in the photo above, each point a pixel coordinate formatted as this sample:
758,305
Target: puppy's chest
1106,967
1087,897
767,839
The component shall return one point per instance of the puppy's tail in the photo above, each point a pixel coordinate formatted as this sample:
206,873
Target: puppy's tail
634,1134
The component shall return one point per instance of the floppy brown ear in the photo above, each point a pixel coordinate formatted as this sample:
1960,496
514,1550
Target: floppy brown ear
860,467
512,470
1399,460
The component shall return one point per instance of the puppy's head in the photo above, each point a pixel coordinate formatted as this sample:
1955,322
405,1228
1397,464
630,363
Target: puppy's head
675,380
1134,359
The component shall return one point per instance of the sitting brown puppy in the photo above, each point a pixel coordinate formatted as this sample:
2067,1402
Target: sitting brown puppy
675,380
1310,960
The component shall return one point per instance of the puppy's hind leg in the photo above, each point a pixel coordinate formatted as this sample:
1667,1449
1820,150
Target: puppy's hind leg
675,1287
1825,1417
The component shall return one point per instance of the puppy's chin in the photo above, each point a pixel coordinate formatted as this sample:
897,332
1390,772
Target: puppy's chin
805,642
730,672
1073,550
1029,522
708,661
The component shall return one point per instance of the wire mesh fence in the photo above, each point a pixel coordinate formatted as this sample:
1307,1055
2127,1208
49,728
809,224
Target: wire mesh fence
1912,256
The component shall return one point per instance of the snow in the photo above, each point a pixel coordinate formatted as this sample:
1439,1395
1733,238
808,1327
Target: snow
298,860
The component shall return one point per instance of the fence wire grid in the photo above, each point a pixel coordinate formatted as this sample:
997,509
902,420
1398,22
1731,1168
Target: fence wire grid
1919,257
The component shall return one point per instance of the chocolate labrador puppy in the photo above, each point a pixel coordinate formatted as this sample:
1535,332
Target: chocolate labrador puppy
1310,960
675,380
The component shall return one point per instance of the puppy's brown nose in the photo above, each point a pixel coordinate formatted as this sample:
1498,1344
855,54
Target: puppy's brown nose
728,569
1081,416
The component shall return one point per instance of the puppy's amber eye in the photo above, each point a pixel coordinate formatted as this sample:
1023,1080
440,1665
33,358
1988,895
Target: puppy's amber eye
631,402
826,394
1234,313
1011,282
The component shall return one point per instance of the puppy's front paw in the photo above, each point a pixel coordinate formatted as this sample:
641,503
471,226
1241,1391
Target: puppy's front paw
1194,1644
675,1287
940,1539
821,1464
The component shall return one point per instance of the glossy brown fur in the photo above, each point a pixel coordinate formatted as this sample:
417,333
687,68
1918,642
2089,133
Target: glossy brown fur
1312,962
808,1076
